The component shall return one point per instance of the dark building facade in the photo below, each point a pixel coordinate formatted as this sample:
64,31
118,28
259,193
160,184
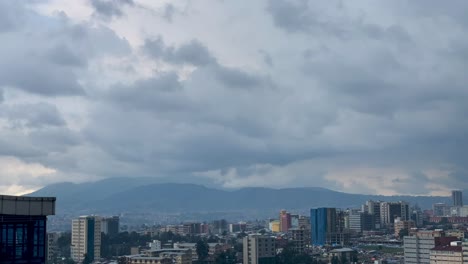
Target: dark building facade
110,225
23,229
457,197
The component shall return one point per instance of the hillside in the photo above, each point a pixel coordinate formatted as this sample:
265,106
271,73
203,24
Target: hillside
143,195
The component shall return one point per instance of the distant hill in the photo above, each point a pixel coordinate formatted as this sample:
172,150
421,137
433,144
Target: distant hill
145,194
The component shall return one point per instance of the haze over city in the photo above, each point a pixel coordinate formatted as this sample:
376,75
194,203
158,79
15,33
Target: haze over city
363,97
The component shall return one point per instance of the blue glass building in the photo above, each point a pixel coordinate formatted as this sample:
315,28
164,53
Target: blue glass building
23,229
318,222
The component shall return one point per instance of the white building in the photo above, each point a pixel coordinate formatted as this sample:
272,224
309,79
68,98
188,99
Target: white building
86,238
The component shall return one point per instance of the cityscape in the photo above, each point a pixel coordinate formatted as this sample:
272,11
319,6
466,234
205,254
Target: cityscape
377,232
233,132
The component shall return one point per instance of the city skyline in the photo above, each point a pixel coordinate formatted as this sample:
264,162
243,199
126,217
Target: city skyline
358,97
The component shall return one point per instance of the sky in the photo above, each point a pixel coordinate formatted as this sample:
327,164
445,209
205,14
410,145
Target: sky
357,96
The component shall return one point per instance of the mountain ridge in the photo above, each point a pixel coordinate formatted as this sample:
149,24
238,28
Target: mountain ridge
135,195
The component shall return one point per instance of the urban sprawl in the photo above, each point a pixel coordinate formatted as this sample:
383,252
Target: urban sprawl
377,232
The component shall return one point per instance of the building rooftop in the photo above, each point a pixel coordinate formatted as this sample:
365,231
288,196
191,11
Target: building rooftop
342,250
448,248
29,206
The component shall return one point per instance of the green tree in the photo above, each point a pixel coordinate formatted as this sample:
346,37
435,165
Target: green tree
202,250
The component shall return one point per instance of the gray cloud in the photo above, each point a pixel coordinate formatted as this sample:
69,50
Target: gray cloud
64,55
169,11
193,52
110,8
348,95
32,115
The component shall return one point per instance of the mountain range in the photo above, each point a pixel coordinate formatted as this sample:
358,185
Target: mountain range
137,195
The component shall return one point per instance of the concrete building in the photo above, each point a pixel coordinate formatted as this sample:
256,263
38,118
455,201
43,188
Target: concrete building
259,249
327,227
373,209
300,237
449,254
155,245
238,227
304,222
86,238
400,225
220,226
23,228
360,221
457,198
285,221
182,230
418,246
389,211
162,256
294,221
274,226
52,247
441,209
344,255
110,225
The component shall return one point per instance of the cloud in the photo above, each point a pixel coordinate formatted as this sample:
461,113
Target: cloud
194,52
20,177
110,8
32,115
336,94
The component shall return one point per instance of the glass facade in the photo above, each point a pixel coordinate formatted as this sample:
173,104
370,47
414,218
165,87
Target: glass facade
318,222
22,239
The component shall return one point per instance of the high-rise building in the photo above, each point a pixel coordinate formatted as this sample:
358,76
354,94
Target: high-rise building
373,208
86,238
418,246
457,197
389,211
327,227
259,249
441,209
23,228
285,221
360,221
220,226
110,225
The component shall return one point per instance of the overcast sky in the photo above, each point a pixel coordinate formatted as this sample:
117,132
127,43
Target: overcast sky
356,96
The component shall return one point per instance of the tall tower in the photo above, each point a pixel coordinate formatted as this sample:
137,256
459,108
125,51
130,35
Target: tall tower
457,197
86,238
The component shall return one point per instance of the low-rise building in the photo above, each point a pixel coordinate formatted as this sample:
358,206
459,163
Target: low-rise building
344,255
418,246
161,256
401,225
449,254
